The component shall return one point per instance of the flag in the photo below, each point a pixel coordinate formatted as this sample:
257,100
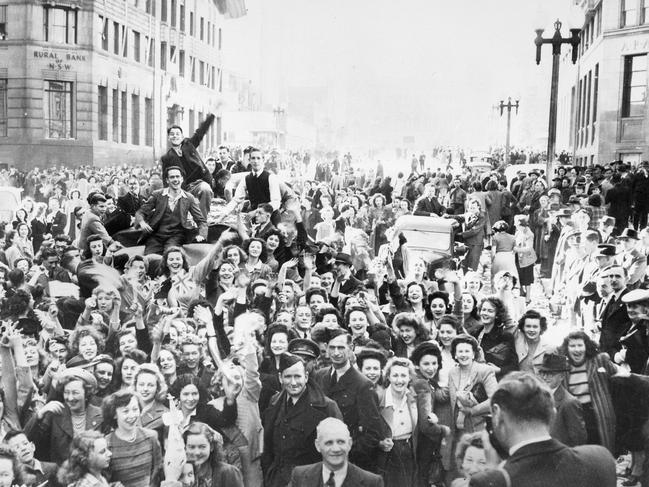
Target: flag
231,9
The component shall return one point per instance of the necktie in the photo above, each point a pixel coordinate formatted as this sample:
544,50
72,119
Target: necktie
331,482
334,379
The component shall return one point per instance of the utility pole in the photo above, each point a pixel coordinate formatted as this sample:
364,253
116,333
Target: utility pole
509,107
556,41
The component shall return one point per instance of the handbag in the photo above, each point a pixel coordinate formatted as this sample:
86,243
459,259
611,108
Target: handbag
479,393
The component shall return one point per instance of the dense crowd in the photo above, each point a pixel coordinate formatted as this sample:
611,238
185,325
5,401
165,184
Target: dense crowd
221,322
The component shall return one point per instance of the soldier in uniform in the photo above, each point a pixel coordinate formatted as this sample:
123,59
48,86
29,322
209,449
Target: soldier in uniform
291,420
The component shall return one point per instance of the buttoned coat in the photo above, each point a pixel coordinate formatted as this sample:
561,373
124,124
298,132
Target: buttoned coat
290,432
356,397
478,374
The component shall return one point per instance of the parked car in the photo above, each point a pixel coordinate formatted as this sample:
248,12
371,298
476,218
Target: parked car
431,239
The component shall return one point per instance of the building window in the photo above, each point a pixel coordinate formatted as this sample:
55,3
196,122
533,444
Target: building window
192,29
192,69
135,119
163,11
588,93
115,115
629,13
213,77
104,33
3,22
150,7
181,63
136,46
124,47
191,121
634,89
149,51
123,120
201,73
102,112
163,55
182,17
174,7
3,107
209,30
148,122
220,39
202,28
58,110
115,38
644,11
595,93
60,25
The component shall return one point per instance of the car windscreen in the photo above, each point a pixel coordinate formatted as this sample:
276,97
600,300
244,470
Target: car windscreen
440,242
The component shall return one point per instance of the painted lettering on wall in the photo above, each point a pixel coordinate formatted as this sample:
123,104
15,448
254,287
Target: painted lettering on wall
63,56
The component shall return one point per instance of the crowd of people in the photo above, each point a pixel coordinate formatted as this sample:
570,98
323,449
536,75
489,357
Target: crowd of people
213,323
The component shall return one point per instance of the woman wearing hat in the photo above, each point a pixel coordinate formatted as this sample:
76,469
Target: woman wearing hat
470,385
433,457
502,249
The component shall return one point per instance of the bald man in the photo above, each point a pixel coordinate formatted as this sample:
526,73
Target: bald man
333,442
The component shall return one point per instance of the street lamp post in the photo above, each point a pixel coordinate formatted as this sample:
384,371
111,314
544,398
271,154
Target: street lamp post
278,112
557,41
509,107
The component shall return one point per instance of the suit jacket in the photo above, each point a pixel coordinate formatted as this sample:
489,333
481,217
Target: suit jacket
57,227
153,210
91,224
350,285
428,207
311,476
356,397
568,425
474,230
54,433
130,203
191,162
551,463
615,323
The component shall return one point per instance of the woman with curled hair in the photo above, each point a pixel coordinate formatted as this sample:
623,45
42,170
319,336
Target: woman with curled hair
204,448
497,343
470,385
469,458
136,454
192,400
529,342
254,265
87,342
88,458
152,388
411,332
588,380
18,244
127,366
102,308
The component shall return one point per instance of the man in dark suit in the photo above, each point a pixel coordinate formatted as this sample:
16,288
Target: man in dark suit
290,422
183,153
164,217
34,472
333,442
428,205
356,398
615,319
127,206
522,409
568,424
57,220
344,276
